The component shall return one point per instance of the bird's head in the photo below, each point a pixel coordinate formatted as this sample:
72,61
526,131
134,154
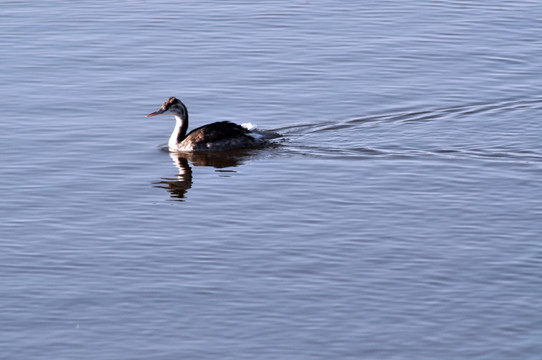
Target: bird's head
172,106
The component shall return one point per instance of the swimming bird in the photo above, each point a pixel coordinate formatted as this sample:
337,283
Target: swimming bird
222,135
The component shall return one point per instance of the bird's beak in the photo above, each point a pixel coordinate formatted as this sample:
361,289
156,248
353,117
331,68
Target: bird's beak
160,111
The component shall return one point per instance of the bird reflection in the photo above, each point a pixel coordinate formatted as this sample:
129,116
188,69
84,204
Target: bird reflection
179,185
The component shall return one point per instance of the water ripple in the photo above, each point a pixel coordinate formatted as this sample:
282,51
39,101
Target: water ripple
315,140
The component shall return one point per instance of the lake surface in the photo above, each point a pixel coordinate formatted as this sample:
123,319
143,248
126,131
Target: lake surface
398,217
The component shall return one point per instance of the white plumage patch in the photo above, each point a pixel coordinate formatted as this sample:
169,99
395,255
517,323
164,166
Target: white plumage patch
249,126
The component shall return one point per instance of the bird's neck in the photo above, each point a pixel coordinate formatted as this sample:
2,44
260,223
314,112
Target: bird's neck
179,132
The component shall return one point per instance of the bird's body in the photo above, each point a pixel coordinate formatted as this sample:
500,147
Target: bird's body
223,135
218,136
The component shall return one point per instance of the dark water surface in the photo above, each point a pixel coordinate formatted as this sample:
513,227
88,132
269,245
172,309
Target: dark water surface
399,217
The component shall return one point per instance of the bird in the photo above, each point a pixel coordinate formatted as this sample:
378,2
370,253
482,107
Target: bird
217,136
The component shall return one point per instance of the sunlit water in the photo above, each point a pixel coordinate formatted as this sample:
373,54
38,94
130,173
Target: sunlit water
398,217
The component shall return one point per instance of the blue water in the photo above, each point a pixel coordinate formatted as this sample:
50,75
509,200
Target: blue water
397,218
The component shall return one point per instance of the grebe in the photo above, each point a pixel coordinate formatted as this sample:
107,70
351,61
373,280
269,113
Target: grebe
222,135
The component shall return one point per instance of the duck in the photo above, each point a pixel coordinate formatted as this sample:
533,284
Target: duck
217,136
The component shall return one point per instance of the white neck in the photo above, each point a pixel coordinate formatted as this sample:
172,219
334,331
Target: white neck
172,143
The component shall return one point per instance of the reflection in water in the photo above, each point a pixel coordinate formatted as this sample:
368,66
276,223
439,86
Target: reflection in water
179,185
218,159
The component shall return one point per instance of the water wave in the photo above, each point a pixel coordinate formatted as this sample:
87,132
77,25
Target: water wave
489,130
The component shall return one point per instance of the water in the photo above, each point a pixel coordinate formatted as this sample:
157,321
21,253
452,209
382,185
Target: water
397,218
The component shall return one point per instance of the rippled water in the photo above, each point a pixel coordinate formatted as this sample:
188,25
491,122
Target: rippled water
397,218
